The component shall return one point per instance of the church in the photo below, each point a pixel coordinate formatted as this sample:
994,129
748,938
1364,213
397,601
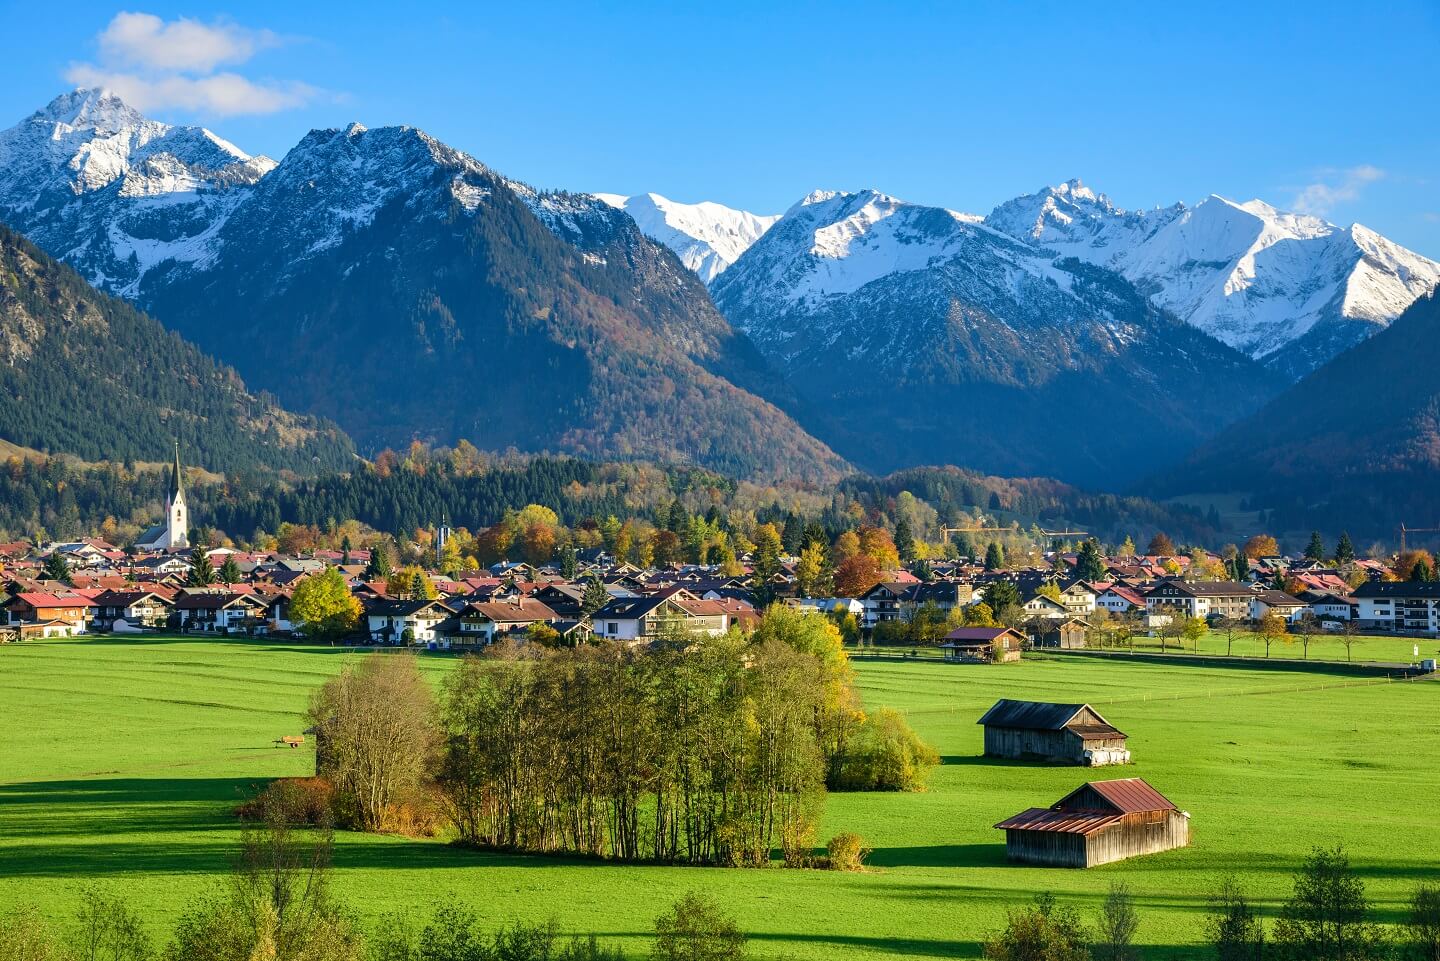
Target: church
173,533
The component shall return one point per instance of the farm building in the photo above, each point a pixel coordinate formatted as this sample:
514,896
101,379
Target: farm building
1069,634
1065,733
982,644
1097,823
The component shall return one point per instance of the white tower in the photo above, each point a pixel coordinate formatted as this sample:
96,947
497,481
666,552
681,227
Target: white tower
177,515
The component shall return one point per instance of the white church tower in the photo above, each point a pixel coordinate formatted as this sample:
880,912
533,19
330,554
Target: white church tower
173,533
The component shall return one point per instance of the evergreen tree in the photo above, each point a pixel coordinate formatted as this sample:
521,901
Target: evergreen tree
766,563
417,586
1090,566
1421,571
963,546
792,535
594,598
56,567
345,550
814,534
1315,551
569,563
1344,550
202,572
379,568
905,540
994,557
230,571
1001,594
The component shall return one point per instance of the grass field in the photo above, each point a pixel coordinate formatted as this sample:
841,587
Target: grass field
120,761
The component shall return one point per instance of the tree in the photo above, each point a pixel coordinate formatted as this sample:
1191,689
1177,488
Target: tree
57,568
846,545
1308,627
1001,594
25,936
1233,928
229,572
1161,546
1327,916
1349,634
904,540
537,542
1227,626
1261,545
697,929
324,607
202,572
812,572
569,563
876,542
379,567
1194,629
856,575
410,582
375,722
767,561
1090,565
1116,926
1344,549
1315,550
1406,565
594,597
980,615
1044,932
994,557
1127,548
107,929
1272,629
1421,932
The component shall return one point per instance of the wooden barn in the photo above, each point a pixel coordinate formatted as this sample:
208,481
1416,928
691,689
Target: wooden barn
1097,823
1056,733
983,644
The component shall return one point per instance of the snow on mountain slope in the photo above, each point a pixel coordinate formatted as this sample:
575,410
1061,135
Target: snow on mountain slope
1288,289
115,193
707,237
928,336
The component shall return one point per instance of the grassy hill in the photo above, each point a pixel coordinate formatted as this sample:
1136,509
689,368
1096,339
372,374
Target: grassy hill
134,753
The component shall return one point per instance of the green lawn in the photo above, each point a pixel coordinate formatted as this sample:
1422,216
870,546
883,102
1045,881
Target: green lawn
121,760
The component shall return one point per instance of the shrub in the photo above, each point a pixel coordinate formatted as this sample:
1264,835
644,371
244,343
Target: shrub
696,929
24,936
298,800
1044,932
847,852
885,754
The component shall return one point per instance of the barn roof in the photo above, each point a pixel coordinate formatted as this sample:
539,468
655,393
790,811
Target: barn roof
1131,795
1040,716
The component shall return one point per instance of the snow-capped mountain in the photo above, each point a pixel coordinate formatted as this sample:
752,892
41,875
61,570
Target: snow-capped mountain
707,237
405,289
928,336
116,193
1287,289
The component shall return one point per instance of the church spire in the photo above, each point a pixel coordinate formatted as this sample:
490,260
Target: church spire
175,490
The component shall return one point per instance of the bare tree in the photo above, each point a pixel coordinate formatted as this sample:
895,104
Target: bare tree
108,929
375,727
1116,926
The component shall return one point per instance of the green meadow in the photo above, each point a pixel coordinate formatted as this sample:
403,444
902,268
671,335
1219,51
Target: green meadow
121,760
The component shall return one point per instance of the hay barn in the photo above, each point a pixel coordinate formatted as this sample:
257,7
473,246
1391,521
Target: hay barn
1056,733
1097,823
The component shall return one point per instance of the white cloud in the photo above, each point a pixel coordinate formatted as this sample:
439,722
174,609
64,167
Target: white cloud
156,64
144,40
1338,187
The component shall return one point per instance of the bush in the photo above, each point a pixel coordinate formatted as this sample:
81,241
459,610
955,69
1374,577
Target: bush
696,929
1045,932
297,800
885,754
847,852
25,936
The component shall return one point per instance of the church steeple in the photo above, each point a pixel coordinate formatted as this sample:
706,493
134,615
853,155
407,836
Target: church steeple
176,493
177,515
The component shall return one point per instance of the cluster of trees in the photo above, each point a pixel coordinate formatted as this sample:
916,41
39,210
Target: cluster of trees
1326,918
699,750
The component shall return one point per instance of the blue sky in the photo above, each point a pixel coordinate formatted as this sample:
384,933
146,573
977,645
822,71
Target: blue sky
1326,106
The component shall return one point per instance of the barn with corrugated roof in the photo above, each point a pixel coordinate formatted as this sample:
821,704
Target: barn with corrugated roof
1097,823
1055,733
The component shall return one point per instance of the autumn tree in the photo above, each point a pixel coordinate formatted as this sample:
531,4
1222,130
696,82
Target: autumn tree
876,542
812,571
1271,629
766,563
323,606
855,575
1161,546
847,545
1261,545
376,735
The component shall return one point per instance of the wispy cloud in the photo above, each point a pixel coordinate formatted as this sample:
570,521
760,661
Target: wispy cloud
1335,187
155,64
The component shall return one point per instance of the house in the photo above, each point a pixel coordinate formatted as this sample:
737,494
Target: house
38,614
137,608
483,622
220,612
1079,598
638,619
1120,599
1097,823
987,644
404,621
1055,733
1407,607
1206,599
1264,603
882,603
1329,606
1044,607
1071,634
945,595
